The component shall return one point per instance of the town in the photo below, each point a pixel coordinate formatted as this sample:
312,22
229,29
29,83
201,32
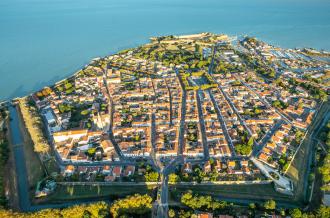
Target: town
201,108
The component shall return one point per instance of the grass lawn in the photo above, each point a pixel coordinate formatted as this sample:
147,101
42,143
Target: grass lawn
172,47
64,193
254,191
51,165
35,170
296,171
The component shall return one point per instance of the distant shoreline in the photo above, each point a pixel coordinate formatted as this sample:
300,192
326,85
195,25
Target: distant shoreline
310,51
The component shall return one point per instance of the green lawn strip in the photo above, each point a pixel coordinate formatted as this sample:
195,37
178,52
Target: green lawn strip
257,191
88,191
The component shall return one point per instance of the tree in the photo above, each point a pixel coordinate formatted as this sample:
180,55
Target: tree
270,205
151,176
197,48
250,142
173,178
252,206
271,74
298,136
323,211
33,123
243,149
296,213
198,202
171,213
84,112
132,205
91,152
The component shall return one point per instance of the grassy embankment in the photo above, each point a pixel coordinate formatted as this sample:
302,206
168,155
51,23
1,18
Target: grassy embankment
34,167
245,192
67,193
37,166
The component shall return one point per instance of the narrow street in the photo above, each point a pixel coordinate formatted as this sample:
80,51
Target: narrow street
223,124
111,111
202,126
182,116
259,146
162,209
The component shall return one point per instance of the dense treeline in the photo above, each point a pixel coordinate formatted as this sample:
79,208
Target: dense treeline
324,169
131,206
206,203
99,210
4,154
196,202
322,212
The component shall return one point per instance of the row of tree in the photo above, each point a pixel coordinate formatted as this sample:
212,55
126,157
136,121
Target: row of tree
99,210
325,168
131,206
4,154
197,202
200,202
315,91
34,124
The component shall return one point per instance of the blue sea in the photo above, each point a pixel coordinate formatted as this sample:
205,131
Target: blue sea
43,41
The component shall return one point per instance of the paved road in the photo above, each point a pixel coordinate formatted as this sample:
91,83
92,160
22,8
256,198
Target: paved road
183,116
161,205
162,209
266,138
154,160
171,105
282,181
17,140
223,124
162,202
202,126
111,111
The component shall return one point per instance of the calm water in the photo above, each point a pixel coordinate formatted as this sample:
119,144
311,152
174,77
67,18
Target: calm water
44,41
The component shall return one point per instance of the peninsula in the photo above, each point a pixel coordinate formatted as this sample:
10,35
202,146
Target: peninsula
181,117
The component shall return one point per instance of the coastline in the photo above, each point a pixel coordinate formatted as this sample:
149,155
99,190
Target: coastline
105,64
322,53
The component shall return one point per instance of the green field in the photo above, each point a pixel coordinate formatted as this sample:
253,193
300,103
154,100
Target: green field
66,193
255,191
